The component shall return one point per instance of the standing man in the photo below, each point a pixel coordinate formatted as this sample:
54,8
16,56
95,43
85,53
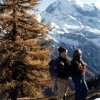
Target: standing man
62,73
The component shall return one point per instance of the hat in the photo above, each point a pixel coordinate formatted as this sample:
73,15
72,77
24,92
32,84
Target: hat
61,49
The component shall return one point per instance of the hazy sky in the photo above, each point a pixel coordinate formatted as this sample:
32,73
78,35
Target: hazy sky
44,3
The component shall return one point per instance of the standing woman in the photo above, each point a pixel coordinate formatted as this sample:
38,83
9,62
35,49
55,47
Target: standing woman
78,76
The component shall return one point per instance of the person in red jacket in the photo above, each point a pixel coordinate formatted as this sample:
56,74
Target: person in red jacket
78,75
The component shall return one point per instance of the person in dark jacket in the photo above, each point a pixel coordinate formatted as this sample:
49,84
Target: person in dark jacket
78,76
62,73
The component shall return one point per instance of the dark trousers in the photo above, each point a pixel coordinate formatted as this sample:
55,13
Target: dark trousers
81,89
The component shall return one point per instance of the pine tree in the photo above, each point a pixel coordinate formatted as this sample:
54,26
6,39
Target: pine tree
23,53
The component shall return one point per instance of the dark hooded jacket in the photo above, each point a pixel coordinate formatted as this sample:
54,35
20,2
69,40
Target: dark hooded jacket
63,69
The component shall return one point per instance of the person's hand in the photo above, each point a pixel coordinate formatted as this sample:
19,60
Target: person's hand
62,63
69,63
79,65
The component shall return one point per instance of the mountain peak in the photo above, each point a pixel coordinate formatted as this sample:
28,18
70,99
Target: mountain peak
77,25
68,6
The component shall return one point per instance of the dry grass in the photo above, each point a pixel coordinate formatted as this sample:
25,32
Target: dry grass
70,96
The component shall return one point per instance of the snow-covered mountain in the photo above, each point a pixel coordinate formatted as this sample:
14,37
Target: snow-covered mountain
76,25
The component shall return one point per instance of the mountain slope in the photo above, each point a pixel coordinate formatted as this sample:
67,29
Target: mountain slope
77,25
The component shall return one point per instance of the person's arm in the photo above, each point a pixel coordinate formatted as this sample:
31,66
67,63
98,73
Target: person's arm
79,66
74,66
60,65
68,62
83,64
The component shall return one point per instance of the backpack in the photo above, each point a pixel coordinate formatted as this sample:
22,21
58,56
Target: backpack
52,68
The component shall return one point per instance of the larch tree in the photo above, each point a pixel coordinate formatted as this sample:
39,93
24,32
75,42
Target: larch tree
23,53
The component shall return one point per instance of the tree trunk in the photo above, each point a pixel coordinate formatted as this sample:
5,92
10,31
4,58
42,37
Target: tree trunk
14,93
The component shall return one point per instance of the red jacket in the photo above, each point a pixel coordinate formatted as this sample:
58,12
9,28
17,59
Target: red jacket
75,70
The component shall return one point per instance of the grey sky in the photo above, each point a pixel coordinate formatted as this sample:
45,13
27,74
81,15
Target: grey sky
45,3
